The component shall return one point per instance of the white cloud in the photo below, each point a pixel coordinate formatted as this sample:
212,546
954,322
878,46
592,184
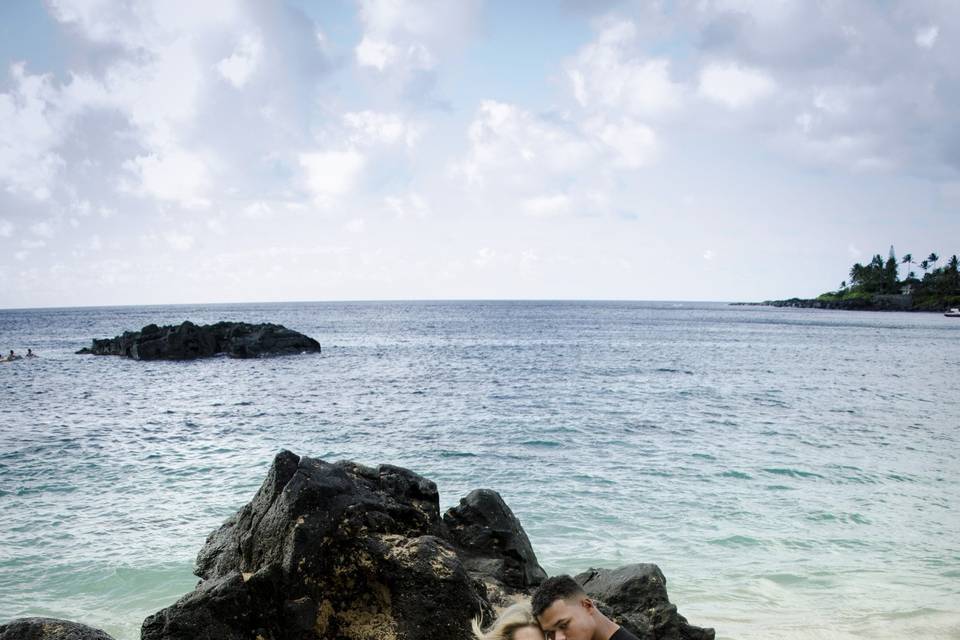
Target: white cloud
406,40
330,174
6,229
355,225
484,257
31,128
634,143
709,254
376,53
242,63
546,206
43,229
258,210
32,244
607,74
927,37
372,127
179,241
411,205
176,175
517,148
734,85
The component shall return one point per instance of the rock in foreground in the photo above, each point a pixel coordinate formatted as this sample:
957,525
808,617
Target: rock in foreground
49,629
189,341
347,552
636,598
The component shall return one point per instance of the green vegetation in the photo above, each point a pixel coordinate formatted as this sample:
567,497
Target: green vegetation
877,285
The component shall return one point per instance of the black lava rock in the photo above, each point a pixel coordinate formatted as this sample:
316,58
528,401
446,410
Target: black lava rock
188,341
341,551
328,551
49,629
635,596
492,541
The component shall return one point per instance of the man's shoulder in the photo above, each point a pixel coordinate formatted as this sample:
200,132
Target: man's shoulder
623,634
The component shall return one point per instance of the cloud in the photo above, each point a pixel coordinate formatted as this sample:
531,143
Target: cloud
176,175
179,241
242,63
549,205
6,229
519,149
156,76
372,127
410,205
406,41
634,143
43,229
30,130
609,74
733,85
355,225
927,37
376,53
329,174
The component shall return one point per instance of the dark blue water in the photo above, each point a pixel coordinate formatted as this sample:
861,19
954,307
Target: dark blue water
793,472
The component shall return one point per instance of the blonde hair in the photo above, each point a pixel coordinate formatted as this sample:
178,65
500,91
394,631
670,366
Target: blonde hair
510,619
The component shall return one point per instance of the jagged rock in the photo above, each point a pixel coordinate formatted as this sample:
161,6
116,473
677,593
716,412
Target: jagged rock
635,596
49,629
188,341
492,543
328,551
347,552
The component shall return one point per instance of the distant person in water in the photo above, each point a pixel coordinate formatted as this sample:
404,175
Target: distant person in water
564,612
12,356
30,353
516,622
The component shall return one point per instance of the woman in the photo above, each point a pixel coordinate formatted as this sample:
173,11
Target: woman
516,622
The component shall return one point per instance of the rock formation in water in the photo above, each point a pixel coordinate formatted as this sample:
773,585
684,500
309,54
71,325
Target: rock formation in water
347,552
49,629
188,341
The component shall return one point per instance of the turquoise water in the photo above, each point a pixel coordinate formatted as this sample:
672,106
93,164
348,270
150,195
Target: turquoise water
793,472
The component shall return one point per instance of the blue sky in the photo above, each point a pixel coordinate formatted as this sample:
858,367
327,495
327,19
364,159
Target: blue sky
173,152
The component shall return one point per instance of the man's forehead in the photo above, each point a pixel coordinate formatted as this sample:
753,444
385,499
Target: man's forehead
557,610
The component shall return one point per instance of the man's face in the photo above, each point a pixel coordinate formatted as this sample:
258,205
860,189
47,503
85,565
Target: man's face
570,619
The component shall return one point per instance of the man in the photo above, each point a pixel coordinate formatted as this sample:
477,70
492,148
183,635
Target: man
564,612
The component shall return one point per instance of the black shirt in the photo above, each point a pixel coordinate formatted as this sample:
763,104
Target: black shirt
623,634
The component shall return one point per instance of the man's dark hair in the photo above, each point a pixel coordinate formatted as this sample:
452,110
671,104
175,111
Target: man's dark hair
553,589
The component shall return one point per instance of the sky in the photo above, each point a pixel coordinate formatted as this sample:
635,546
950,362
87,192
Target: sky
165,151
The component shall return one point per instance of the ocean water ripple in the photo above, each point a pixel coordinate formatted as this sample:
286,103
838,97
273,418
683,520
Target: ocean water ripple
793,472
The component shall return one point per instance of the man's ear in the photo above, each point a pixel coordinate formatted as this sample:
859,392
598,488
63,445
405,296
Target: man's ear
587,604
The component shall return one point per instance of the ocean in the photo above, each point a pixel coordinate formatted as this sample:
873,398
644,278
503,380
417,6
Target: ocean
793,472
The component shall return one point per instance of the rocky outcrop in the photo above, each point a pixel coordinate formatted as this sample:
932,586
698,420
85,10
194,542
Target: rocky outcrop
635,596
493,545
49,629
347,552
328,551
189,341
872,303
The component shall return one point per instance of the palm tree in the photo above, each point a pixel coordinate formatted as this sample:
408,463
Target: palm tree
932,259
925,265
907,260
856,274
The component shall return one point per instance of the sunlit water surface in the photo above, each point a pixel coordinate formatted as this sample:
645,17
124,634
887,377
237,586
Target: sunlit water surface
793,472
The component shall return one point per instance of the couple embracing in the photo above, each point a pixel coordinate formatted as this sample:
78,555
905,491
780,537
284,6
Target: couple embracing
559,610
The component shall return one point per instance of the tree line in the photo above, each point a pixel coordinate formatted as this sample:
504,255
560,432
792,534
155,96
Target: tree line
939,284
